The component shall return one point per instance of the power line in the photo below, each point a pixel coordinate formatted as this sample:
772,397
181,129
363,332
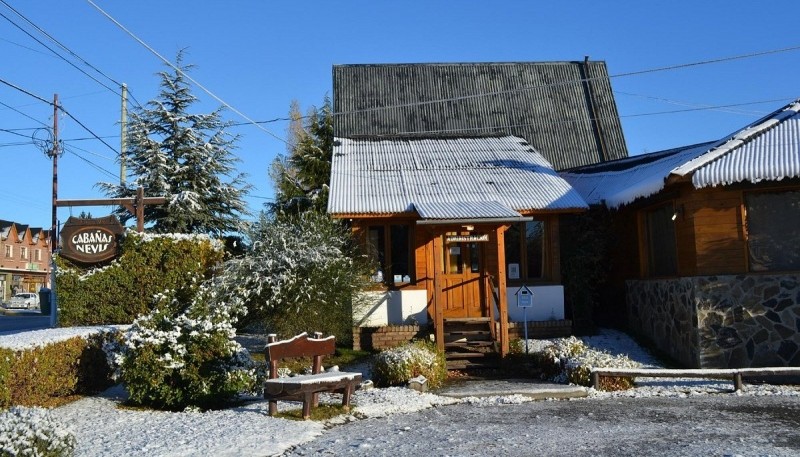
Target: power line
26,92
51,49
88,129
23,114
223,102
92,164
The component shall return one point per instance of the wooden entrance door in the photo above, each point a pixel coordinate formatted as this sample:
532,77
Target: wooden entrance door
462,280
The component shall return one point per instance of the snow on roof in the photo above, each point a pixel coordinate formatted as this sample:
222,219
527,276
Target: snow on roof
380,176
768,149
465,210
620,185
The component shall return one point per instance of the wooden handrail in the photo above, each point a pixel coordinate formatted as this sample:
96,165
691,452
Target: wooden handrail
491,304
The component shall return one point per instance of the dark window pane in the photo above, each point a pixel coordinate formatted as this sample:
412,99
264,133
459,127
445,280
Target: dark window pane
474,258
534,253
376,246
401,250
662,259
773,229
512,247
454,260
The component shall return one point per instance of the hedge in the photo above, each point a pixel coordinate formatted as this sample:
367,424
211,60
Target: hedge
120,292
49,375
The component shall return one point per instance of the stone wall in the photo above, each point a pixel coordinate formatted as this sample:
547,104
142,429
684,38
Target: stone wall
730,321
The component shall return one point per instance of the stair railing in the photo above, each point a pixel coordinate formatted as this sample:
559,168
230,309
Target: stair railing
490,287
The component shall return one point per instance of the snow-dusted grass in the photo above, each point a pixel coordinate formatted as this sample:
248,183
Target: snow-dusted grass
40,338
103,428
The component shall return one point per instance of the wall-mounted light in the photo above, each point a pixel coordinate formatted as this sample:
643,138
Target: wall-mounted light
678,211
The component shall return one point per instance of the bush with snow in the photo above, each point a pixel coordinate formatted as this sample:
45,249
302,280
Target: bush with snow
301,274
32,431
396,366
183,355
570,360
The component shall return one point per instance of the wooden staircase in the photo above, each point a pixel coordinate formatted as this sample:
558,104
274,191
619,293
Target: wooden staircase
468,344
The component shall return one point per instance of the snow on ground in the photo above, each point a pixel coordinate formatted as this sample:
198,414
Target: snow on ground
103,428
40,338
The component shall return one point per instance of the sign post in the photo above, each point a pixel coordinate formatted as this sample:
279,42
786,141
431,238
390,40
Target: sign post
525,301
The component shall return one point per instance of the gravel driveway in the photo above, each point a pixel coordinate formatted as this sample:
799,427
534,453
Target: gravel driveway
719,425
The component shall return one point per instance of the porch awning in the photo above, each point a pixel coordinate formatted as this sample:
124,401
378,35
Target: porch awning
475,212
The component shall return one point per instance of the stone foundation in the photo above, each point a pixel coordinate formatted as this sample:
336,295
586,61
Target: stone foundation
720,321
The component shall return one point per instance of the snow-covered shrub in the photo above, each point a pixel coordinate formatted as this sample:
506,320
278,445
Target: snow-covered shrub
301,274
123,290
396,366
570,360
183,355
32,431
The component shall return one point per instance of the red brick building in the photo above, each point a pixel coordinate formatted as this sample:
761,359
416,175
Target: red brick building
24,258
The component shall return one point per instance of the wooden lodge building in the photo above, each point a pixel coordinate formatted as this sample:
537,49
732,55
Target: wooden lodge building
707,249
24,259
448,173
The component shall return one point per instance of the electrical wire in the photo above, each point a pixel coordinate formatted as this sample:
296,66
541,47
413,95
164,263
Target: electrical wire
97,167
174,67
23,114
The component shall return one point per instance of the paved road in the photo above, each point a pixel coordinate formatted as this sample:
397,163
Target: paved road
21,320
719,425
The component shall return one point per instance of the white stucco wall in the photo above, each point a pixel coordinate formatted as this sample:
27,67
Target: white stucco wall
548,304
398,307
393,307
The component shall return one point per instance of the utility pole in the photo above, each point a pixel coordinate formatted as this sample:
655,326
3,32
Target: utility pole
123,134
54,227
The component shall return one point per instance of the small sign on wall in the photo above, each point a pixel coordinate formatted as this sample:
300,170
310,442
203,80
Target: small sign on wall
513,271
524,297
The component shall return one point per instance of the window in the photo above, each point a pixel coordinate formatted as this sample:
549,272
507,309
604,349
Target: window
525,250
37,255
659,241
773,230
393,254
9,251
23,253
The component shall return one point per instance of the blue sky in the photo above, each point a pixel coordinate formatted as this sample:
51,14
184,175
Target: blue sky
259,55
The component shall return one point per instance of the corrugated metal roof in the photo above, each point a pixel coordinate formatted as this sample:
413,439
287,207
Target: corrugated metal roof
392,175
550,104
464,210
768,149
617,184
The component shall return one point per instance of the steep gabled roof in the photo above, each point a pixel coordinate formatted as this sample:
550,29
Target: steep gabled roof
766,150
442,175
565,110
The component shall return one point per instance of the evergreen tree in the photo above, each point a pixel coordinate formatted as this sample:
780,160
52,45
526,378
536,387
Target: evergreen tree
184,157
302,177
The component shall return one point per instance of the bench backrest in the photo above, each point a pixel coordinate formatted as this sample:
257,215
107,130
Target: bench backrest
299,346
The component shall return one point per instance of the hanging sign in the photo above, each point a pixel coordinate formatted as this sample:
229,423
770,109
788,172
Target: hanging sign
467,238
91,240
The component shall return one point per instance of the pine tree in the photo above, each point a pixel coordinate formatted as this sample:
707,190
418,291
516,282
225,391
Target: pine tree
302,178
184,157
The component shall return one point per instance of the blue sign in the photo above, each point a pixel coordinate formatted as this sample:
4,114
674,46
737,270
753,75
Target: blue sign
524,297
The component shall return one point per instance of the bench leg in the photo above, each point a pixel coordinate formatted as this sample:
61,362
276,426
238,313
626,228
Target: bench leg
737,382
315,400
273,407
346,396
308,399
596,381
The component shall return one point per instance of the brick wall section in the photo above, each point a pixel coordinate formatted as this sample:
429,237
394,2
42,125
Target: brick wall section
540,329
379,338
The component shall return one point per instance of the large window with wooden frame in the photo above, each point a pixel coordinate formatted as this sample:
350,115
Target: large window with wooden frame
773,230
391,247
9,251
525,247
660,256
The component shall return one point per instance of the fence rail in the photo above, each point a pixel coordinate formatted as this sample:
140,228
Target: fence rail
735,374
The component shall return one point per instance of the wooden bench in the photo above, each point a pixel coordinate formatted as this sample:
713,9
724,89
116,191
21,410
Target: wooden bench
305,388
735,374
